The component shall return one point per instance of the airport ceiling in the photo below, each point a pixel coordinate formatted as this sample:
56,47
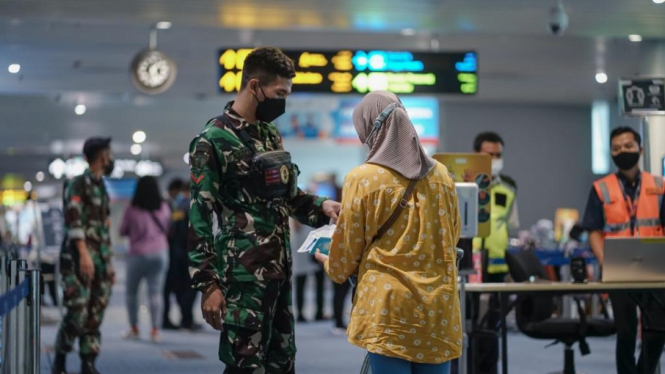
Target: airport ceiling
86,46
80,50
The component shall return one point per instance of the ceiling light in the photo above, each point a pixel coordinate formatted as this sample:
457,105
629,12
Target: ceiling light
14,68
635,38
186,158
80,109
27,186
659,1
136,149
139,137
408,32
40,176
164,25
601,77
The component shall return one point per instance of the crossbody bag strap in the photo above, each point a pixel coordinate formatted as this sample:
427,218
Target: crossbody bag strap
242,133
393,217
159,224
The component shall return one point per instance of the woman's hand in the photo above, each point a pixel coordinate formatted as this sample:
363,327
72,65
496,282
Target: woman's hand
320,257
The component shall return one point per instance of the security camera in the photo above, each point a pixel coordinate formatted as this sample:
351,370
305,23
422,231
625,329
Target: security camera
558,20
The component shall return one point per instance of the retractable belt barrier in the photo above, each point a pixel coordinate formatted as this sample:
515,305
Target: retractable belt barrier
11,299
20,301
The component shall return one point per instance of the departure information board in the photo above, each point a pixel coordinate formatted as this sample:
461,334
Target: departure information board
362,71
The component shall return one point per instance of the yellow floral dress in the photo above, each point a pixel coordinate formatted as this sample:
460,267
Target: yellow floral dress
407,303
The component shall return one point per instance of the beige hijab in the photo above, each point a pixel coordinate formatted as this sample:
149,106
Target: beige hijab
395,145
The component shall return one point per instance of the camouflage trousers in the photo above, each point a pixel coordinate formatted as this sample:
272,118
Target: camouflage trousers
86,304
258,332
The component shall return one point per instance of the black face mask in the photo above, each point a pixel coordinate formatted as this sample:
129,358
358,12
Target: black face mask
626,160
108,168
269,109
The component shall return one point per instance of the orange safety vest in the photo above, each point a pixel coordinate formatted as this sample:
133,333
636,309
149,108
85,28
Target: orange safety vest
619,209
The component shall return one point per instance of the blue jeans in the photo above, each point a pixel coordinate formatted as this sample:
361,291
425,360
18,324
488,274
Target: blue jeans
151,267
391,365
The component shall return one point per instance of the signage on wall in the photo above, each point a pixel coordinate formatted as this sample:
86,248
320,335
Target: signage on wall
642,96
423,112
362,71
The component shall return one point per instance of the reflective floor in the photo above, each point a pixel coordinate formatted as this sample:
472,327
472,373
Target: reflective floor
319,350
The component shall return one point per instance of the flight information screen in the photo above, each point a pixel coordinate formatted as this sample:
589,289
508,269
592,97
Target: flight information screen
362,71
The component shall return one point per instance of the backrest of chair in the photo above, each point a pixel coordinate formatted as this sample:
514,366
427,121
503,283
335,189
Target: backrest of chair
523,265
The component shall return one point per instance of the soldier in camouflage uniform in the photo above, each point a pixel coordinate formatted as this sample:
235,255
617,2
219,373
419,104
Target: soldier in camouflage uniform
244,270
85,259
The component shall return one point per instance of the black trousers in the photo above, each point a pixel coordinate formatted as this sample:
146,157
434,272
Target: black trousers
178,283
625,317
301,281
339,296
52,285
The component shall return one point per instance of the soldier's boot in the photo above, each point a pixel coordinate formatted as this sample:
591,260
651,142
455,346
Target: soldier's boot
88,365
59,364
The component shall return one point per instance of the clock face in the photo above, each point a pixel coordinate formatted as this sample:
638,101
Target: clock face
153,72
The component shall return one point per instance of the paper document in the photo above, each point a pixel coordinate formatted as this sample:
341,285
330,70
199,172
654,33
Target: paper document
318,239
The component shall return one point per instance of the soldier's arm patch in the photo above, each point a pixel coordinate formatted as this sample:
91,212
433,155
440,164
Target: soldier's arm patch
201,156
198,179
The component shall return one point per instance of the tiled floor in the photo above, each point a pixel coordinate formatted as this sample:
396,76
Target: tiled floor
319,351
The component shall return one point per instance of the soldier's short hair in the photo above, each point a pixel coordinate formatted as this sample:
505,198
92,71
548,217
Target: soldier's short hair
94,146
266,64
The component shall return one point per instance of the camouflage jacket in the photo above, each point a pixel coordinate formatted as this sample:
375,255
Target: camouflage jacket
86,207
252,240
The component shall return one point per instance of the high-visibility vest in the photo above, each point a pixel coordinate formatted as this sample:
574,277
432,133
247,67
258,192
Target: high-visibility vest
618,210
497,242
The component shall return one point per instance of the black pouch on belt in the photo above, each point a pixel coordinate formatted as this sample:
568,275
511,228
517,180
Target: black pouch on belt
273,175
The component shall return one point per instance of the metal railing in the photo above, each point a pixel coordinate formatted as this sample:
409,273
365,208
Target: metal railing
20,298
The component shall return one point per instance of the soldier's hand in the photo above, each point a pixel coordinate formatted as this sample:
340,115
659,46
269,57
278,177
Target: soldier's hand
213,306
111,273
86,267
331,209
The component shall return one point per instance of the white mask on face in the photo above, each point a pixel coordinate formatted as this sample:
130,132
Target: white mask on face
497,166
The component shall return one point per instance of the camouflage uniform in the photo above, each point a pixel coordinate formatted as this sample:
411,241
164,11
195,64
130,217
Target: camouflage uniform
86,206
249,257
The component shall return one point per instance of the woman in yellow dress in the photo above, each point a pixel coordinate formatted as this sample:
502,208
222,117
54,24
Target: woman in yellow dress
406,312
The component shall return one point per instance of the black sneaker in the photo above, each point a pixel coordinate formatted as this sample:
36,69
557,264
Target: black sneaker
59,364
168,325
88,365
321,317
192,327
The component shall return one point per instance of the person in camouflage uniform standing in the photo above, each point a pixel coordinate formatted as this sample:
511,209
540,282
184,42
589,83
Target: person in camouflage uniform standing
85,259
244,271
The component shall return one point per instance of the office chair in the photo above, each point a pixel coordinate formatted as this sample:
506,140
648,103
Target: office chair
534,313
